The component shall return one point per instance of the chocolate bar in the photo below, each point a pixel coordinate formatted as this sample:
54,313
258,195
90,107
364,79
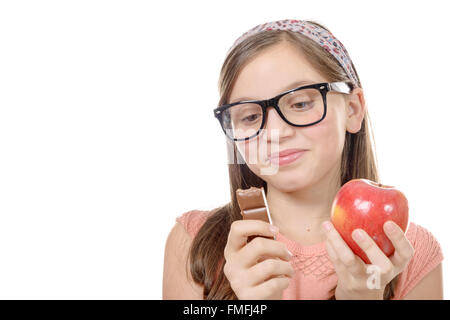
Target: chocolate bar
253,205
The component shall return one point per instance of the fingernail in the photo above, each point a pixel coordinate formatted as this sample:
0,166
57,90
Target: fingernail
327,225
389,226
290,253
358,235
274,229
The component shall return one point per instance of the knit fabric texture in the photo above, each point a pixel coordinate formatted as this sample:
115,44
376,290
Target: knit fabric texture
314,272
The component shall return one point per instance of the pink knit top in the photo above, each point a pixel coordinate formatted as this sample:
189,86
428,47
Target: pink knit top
315,275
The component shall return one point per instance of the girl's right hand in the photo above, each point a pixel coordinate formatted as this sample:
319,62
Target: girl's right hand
259,269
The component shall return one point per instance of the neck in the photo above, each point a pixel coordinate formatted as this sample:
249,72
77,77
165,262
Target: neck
299,214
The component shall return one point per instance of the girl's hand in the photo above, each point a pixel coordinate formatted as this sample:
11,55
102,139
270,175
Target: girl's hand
352,272
258,269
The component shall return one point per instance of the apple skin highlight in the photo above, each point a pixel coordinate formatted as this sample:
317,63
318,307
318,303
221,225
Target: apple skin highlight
364,204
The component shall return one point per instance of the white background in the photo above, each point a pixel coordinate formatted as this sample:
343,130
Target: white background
107,132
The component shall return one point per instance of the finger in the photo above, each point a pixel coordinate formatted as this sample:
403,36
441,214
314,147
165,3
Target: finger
371,249
333,255
344,253
270,268
240,230
338,266
270,287
404,251
260,247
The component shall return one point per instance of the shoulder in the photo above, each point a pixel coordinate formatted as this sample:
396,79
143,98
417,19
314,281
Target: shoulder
183,231
426,246
427,255
193,220
177,279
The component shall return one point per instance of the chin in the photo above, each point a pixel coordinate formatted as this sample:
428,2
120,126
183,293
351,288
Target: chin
288,181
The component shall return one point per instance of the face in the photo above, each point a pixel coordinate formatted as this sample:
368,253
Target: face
272,72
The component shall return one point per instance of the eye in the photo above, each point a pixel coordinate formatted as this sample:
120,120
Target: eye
303,105
250,118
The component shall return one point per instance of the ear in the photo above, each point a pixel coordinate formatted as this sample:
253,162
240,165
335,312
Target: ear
355,110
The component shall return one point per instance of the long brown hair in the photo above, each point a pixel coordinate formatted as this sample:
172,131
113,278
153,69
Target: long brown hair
358,160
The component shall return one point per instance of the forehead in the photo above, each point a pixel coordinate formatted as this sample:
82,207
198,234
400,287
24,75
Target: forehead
273,71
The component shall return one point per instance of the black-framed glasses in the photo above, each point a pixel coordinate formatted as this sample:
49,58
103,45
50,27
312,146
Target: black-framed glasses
300,107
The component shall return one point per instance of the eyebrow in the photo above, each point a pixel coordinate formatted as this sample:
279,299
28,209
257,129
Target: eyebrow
291,86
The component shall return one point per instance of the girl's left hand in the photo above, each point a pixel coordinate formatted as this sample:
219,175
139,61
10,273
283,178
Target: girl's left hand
351,270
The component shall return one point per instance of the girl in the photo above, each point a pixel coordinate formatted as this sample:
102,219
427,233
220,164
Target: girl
321,123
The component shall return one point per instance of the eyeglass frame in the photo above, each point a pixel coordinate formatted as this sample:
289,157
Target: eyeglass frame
323,87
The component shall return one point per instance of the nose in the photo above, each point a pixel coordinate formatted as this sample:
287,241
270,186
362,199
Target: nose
275,123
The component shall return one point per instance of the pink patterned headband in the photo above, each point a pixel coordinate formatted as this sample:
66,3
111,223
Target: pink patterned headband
324,38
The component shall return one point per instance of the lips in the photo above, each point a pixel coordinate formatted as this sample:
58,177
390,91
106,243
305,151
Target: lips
284,153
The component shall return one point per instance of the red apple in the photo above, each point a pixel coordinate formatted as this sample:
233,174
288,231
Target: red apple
364,204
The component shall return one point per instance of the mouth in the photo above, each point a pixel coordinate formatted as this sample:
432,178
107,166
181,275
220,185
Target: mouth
284,153
286,156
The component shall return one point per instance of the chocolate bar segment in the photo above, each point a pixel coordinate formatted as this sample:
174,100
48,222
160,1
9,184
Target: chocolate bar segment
252,205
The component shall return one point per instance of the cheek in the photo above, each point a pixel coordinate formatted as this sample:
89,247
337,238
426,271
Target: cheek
327,138
252,152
